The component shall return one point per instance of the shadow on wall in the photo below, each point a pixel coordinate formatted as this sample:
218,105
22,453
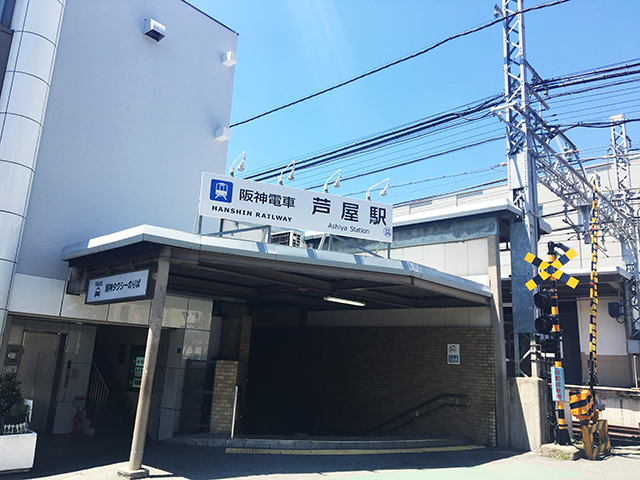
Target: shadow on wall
528,413
346,380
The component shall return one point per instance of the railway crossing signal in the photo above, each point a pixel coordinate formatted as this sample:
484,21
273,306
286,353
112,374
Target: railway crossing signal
551,269
548,323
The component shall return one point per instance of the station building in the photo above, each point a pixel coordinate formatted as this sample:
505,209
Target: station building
102,147
107,126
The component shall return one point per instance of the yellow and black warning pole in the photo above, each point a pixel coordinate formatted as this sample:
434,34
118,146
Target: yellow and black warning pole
593,291
595,432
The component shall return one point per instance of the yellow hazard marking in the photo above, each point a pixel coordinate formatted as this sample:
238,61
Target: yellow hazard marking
555,267
359,451
572,282
531,284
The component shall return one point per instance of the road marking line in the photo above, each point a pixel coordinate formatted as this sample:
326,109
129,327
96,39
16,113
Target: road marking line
274,451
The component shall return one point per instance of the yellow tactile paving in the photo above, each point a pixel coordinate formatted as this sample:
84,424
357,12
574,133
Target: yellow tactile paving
275,451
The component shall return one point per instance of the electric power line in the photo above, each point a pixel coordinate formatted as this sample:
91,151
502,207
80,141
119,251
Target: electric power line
401,60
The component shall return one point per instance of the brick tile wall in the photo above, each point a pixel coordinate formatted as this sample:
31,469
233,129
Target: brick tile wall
357,378
224,389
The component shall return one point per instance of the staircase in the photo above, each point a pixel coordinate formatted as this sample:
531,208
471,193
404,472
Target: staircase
108,411
442,400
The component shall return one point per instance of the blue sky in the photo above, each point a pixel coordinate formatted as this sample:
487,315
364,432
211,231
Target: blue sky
290,48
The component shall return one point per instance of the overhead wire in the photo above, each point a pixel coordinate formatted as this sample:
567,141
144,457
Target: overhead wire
413,131
401,60
440,177
394,135
464,125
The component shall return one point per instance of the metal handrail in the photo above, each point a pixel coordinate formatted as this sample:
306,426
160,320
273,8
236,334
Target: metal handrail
415,412
97,393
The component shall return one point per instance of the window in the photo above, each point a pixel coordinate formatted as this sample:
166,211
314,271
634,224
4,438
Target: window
6,12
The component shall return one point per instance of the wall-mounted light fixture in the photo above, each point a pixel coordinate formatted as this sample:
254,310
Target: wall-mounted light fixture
344,301
229,59
336,184
240,165
291,178
383,193
222,134
153,29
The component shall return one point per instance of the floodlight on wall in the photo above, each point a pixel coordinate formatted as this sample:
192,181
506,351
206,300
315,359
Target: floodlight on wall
344,301
240,165
229,59
336,184
291,178
383,193
153,29
222,134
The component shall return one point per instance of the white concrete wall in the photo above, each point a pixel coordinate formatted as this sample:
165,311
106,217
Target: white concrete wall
23,103
46,297
611,335
468,259
130,125
190,338
614,366
190,341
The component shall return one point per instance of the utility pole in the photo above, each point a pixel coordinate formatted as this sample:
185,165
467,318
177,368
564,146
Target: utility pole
521,156
623,199
532,159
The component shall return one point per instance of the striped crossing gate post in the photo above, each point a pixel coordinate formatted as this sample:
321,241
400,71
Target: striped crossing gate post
595,432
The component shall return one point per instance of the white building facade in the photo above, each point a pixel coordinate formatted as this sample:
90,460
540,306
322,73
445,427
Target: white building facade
108,115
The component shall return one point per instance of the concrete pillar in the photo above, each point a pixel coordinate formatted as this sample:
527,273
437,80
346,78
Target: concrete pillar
23,102
135,469
528,424
499,353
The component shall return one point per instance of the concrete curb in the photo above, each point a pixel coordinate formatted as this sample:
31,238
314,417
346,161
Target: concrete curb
561,452
205,440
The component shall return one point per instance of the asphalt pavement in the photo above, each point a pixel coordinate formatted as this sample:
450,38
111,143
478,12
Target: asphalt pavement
80,457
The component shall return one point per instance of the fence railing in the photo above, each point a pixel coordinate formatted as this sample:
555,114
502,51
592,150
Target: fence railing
97,393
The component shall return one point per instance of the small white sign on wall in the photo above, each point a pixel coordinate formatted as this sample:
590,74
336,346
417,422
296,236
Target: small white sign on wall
123,287
453,353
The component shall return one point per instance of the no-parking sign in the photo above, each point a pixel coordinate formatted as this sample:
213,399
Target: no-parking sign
453,354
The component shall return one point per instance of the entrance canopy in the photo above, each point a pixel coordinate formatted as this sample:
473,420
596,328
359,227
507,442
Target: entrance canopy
264,274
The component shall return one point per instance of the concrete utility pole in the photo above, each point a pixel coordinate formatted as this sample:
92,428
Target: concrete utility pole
135,469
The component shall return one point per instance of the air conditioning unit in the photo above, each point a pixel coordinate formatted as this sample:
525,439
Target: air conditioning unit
291,238
153,29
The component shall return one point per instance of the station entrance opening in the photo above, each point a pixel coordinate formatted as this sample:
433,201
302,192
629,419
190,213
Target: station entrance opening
412,353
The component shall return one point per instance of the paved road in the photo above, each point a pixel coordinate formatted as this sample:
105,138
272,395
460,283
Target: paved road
83,458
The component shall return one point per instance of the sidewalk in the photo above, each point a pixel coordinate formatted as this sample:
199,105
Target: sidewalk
66,457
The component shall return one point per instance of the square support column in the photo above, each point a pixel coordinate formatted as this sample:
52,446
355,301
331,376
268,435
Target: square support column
224,391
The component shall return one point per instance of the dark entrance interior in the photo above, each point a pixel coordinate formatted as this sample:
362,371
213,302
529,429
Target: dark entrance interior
40,375
114,381
349,381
